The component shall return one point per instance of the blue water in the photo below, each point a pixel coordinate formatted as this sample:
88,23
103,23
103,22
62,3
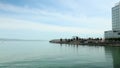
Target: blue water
42,54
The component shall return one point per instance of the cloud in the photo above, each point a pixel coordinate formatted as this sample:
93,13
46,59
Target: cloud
14,24
56,16
82,23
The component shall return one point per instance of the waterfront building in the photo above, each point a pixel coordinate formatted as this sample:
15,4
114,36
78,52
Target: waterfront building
115,32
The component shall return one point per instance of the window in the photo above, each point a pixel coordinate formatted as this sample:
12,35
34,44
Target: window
118,33
115,31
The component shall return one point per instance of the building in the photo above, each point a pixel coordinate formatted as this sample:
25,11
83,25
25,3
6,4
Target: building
115,32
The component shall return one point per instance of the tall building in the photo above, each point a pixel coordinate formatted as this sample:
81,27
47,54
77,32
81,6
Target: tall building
116,17
115,32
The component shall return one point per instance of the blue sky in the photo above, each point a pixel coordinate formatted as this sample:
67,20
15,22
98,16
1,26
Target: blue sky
49,19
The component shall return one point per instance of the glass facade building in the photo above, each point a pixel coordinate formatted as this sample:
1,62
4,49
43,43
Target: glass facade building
115,32
112,34
116,17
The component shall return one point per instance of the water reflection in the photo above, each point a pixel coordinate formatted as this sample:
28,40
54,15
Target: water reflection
115,52
75,47
82,47
112,54
45,55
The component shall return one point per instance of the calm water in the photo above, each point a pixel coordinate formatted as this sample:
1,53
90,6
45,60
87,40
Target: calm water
42,54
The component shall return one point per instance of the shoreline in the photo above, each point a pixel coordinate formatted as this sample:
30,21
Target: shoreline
79,42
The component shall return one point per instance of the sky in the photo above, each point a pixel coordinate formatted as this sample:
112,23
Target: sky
52,19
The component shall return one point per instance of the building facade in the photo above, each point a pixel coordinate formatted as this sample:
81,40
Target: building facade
112,34
116,17
115,32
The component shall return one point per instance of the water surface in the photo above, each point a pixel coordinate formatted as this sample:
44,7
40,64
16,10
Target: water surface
42,54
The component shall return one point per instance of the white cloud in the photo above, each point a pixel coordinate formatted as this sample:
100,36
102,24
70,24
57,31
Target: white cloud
99,24
59,16
14,24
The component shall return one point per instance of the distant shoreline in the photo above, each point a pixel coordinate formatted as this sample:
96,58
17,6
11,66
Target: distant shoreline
90,41
19,40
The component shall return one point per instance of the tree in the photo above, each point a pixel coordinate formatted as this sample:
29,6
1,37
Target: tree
77,38
61,40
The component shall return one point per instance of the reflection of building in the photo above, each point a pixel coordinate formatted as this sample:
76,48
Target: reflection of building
115,55
115,32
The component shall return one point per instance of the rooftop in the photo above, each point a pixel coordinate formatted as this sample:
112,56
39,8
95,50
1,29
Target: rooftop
118,3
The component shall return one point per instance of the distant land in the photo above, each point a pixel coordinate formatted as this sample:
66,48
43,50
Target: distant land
88,41
4,39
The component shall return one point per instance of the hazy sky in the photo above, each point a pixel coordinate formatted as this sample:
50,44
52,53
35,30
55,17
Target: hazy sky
49,19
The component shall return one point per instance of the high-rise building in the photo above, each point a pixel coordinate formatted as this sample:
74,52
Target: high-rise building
116,17
115,32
